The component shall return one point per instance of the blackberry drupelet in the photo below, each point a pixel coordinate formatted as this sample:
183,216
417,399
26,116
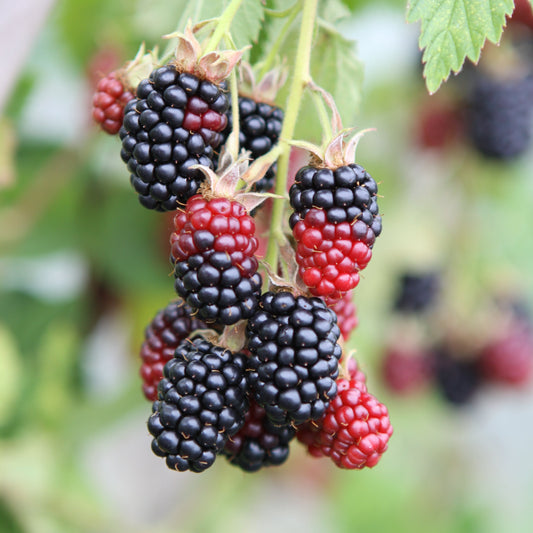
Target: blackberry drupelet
259,443
346,194
174,123
214,264
202,402
259,130
417,292
294,357
168,328
499,116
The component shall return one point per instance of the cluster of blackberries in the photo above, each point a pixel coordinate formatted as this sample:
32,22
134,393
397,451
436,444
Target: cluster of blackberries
209,401
457,368
208,395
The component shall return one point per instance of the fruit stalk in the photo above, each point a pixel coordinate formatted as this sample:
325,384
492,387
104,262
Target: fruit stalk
224,23
299,80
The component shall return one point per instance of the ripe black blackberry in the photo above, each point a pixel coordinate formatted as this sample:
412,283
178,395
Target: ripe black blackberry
417,292
346,194
167,329
259,130
216,288
202,402
259,443
457,379
499,116
294,357
174,123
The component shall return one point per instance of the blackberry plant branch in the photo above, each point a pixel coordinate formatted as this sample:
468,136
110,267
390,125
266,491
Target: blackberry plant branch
299,80
274,50
233,141
327,132
224,23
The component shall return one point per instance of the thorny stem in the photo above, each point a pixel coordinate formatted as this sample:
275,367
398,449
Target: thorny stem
299,80
274,50
224,23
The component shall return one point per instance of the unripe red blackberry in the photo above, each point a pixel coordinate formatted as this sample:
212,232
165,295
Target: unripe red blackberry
294,357
405,369
508,358
259,130
173,124
213,250
355,430
330,256
259,443
111,96
336,219
167,329
346,315
202,402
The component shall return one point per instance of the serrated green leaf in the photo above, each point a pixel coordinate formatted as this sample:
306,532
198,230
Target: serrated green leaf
453,30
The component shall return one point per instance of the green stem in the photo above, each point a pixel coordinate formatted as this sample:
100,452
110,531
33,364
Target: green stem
274,50
300,78
224,23
325,123
233,141
281,14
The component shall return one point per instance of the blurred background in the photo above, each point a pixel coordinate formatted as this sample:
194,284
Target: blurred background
444,331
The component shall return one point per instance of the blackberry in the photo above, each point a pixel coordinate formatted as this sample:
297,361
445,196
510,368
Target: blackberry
294,357
216,288
259,443
355,430
174,123
259,130
202,402
109,100
213,252
417,292
167,329
499,116
346,194
457,379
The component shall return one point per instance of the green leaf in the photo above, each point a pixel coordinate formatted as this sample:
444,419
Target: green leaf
11,373
247,23
453,30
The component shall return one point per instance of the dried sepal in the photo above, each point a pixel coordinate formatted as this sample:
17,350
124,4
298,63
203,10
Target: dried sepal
233,337
230,176
292,281
266,89
351,145
336,153
214,66
336,122
139,68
